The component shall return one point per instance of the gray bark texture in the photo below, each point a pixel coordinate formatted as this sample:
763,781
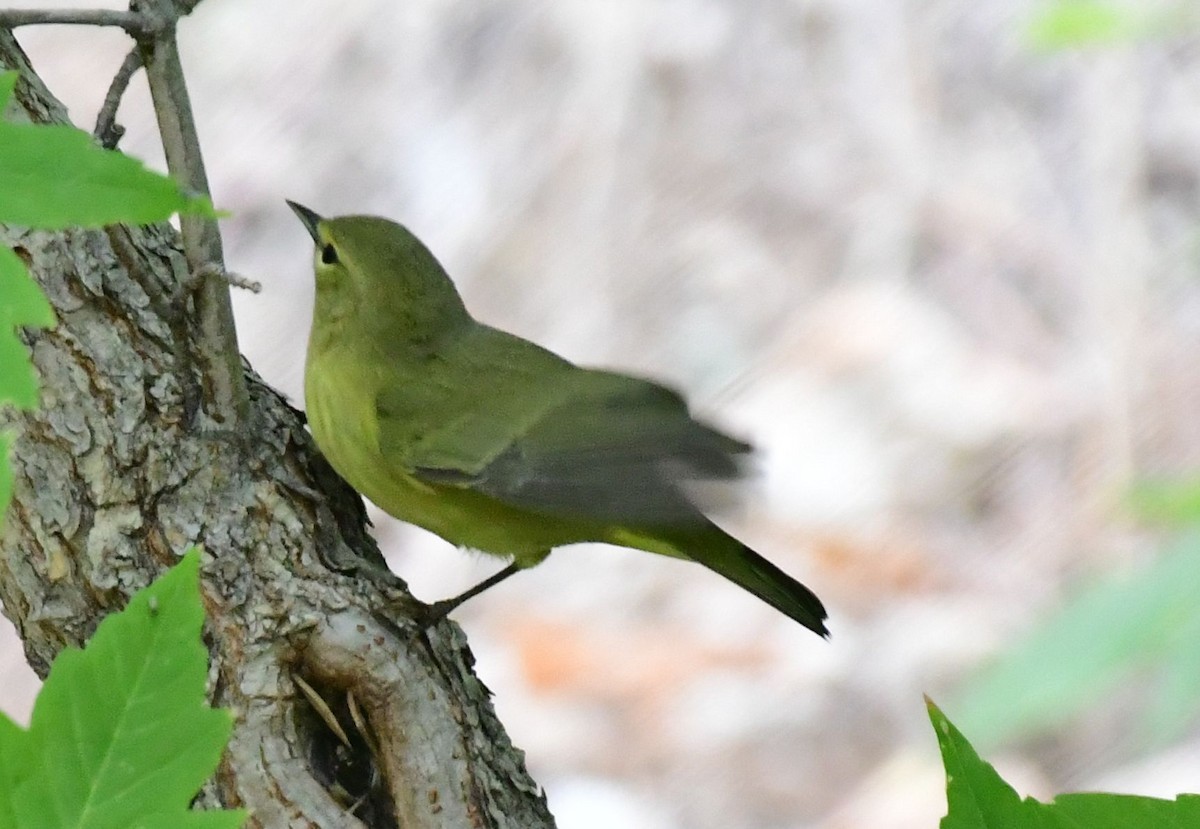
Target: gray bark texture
126,465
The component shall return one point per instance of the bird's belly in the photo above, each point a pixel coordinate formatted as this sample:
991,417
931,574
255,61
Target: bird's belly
341,414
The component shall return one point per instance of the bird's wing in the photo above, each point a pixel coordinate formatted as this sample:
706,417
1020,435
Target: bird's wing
555,439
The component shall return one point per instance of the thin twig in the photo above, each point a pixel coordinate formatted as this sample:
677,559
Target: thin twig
323,710
227,400
360,722
234,279
131,22
108,132
243,282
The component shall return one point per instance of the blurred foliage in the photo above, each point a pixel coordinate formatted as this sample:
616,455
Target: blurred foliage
1172,503
1067,24
1143,625
978,798
121,733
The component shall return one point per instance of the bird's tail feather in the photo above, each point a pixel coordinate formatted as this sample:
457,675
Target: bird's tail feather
726,556
750,571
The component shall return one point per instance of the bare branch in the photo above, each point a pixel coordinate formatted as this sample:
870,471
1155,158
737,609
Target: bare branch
243,282
227,400
234,279
152,23
108,132
131,22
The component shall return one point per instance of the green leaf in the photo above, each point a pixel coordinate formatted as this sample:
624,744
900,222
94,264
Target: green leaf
1120,811
1115,630
193,820
8,83
975,794
121,733
18,384
21,303
14,761
978,798
21,300
53,176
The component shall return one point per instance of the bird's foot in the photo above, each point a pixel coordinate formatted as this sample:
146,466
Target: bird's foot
434,613
429,615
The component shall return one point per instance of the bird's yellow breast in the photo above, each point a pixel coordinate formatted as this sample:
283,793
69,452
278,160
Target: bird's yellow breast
340,397
339,405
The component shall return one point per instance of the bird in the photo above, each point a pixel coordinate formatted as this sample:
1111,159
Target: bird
495,443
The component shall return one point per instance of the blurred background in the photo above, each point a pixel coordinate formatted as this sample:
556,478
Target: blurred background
937,259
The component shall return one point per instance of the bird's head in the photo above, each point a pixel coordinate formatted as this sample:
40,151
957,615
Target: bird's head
375,274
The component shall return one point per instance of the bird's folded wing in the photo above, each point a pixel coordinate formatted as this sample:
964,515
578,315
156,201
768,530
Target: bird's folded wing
590,446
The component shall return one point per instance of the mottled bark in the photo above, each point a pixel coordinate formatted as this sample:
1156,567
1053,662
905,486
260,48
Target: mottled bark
125,466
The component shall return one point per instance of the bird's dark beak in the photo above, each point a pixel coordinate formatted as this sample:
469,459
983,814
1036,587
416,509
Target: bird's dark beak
309,218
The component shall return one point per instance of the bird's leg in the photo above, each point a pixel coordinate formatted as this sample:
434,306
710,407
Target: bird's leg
439,610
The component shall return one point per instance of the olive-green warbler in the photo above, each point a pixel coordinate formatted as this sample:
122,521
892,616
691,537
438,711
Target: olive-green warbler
495,443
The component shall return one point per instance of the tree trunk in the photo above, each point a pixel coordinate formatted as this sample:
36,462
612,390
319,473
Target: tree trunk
126,465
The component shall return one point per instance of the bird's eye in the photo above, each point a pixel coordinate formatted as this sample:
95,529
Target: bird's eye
329,255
